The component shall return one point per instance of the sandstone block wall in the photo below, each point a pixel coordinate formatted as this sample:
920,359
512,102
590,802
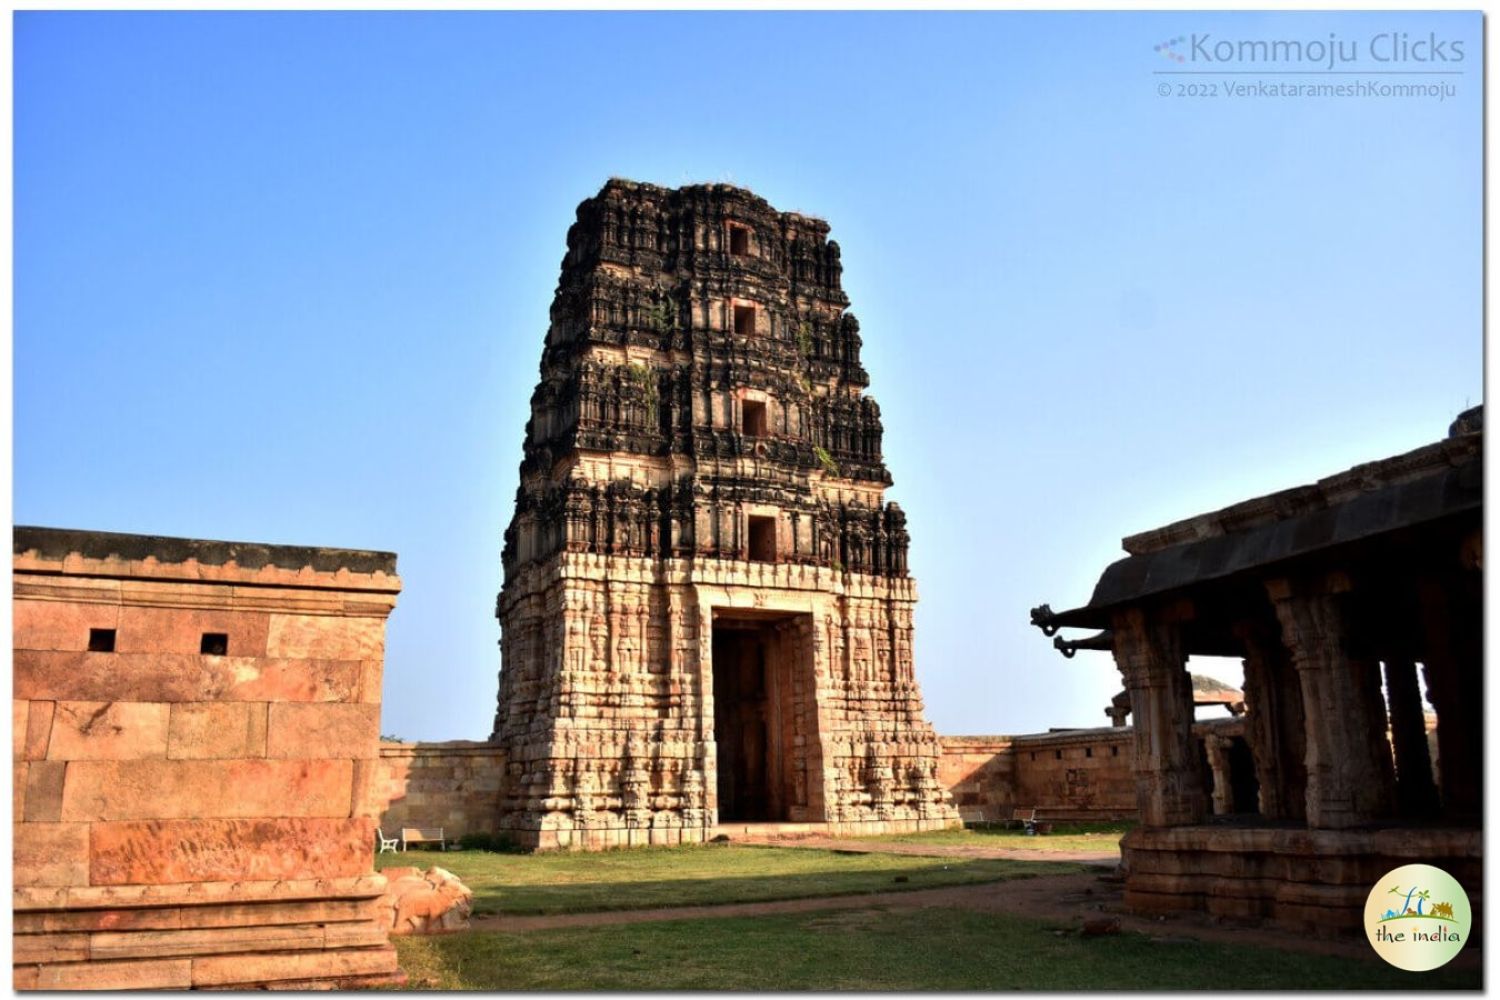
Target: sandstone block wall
454,785
1078,775
185,818
979,772
1082,774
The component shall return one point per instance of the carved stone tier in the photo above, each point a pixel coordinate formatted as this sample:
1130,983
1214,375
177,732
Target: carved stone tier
1312,880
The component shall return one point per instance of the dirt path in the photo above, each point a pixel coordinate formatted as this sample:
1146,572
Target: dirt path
1103,855
1067,900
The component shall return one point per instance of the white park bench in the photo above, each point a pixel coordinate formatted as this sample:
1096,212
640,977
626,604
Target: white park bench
1027,818
1030,822
423,835
386,843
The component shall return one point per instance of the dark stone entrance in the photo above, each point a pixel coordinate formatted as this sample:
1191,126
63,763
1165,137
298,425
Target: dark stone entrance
754,662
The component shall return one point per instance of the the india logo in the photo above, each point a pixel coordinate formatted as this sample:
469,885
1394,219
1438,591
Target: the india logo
1417,917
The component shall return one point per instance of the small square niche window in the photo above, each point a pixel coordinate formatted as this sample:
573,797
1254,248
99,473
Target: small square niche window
754,423
744,321
101,640
739,240
763,539
1057,755
214,644
1114,751
1088,751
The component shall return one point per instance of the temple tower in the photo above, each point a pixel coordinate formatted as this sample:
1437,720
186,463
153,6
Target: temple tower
706,616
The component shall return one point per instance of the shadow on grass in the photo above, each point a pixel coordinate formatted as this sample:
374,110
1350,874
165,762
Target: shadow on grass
651,878
596,896
878,949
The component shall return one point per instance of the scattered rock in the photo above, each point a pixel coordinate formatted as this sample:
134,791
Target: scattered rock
430,902
1100,926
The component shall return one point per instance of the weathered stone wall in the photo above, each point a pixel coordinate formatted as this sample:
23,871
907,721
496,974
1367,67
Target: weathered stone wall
458,785
979,772
185,818
454,785
1080,774
1084,774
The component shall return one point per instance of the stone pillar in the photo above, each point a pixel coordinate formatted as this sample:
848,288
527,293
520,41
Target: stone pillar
1274,721
1453,661
1169,785
1218,761
1416,793
1350,779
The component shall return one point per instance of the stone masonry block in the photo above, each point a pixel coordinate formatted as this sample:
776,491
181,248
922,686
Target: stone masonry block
313,730
323,637
217,730
179,789
59,625
28,949
179,630
20,712
178,677
148,974
44,785
51,854
119,730
231,970
208,850
38,729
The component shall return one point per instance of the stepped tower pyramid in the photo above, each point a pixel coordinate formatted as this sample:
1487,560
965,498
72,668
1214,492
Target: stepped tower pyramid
706,615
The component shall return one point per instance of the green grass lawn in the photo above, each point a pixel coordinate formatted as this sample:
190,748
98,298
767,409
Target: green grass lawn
1064,837
562,882
875,949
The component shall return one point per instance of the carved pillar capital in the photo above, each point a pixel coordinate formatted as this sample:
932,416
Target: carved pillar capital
1145,650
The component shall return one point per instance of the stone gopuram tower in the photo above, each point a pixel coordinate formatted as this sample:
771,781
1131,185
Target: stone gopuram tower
706,616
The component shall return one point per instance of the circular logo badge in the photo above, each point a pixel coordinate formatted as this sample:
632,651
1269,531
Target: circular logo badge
1417,917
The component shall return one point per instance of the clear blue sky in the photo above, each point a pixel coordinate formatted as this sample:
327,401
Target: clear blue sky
285,278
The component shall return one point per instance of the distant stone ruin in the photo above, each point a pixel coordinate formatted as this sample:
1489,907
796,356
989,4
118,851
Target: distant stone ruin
706,615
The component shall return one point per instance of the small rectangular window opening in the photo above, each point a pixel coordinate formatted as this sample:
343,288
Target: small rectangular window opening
762,539
739,240
744,321
214,644
1088,751
1114,751
101,640
754,422
1057,755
